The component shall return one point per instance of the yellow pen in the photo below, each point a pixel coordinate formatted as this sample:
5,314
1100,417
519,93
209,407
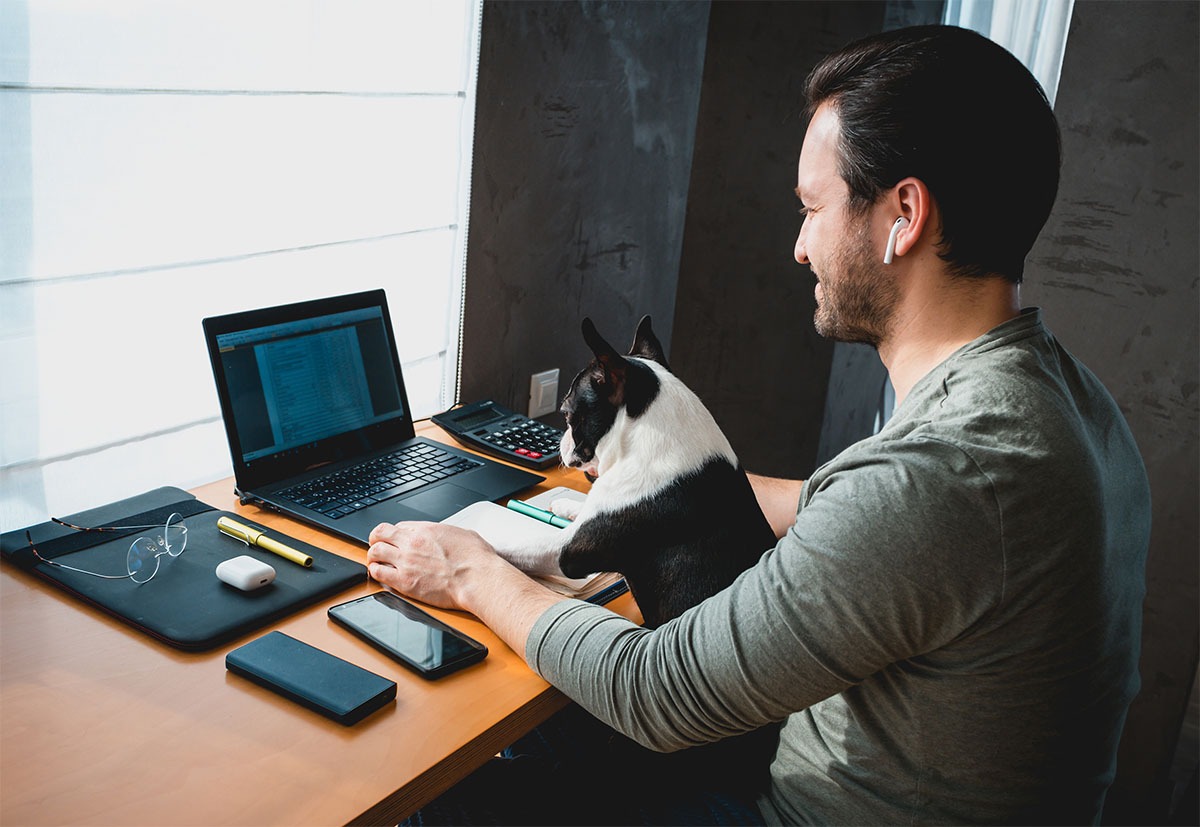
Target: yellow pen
254,537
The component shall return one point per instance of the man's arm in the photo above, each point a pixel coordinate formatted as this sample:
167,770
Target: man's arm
779,500
456,569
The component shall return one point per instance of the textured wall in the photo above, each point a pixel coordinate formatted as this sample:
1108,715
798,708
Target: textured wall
744,339
1116,271
583,147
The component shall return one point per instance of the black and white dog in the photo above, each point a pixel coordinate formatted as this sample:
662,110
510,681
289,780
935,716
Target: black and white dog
671,508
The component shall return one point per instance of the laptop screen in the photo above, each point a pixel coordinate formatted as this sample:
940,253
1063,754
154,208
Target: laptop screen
296,383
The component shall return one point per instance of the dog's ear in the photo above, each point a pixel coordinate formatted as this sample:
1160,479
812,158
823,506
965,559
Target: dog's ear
611,366
646,344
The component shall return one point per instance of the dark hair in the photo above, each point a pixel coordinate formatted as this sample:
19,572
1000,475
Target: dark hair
952,108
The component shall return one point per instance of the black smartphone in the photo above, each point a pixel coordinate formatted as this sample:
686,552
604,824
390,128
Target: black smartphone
416,639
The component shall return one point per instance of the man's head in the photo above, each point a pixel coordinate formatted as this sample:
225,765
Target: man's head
956,111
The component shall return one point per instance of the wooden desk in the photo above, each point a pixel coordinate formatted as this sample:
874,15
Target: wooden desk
100,724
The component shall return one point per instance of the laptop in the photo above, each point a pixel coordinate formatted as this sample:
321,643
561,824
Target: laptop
319,427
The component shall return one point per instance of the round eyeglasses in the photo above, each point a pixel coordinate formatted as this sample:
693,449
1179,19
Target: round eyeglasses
145,552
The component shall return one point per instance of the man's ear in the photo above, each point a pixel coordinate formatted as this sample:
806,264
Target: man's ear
611,366
646,344
911,199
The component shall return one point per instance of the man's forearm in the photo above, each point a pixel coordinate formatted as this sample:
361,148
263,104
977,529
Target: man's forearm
454,568
507,601
779,500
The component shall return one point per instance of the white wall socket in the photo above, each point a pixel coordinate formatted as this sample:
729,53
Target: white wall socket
543,393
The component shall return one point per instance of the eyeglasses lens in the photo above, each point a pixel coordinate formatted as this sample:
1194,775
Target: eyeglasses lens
175,535
142,560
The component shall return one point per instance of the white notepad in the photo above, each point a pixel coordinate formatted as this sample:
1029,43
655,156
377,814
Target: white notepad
503,526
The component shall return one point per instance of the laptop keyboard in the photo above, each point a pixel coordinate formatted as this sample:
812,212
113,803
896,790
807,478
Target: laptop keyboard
343,492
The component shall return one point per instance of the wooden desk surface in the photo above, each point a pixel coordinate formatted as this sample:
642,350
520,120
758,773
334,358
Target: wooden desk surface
101,724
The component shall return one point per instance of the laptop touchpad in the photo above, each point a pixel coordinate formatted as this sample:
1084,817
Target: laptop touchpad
442,501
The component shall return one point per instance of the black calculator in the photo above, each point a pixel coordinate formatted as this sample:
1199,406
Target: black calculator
494,429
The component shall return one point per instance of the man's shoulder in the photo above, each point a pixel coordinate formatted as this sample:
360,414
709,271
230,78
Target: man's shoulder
1023,393
1033,420
926,465
1012,410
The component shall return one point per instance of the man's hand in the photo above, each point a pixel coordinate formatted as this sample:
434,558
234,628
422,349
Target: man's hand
454,568
428,561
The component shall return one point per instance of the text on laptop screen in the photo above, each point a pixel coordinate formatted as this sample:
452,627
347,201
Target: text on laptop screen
296,383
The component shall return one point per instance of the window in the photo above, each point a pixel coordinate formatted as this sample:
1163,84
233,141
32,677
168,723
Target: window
166,160
1035,31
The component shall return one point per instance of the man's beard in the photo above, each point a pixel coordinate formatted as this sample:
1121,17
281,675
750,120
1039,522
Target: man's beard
859,297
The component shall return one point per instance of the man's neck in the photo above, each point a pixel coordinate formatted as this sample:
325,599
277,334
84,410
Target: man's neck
934,321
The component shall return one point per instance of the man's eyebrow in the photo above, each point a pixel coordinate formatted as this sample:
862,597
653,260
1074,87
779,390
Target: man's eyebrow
799,194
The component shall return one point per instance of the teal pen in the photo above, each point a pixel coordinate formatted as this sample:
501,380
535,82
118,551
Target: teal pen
538,513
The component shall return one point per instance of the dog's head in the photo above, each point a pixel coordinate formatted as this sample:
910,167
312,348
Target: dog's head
609,384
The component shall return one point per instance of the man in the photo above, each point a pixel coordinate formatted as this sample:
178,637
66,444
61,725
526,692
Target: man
949,626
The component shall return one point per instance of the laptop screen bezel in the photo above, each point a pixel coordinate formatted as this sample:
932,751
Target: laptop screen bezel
267,470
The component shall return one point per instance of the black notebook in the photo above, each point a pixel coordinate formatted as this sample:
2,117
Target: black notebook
184,605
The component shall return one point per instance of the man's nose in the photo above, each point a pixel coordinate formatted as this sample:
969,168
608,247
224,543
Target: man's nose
801,251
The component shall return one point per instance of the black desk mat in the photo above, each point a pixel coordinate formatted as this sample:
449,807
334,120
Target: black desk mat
184,605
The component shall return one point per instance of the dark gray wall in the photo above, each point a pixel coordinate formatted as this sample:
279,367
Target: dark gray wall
1116,272
744,339
583,147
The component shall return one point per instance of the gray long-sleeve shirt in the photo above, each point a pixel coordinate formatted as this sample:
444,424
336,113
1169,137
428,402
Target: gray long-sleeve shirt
951,627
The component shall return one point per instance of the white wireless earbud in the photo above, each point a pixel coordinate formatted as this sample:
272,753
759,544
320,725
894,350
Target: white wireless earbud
890,250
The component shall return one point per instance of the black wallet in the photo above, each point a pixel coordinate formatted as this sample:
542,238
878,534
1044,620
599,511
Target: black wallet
312,677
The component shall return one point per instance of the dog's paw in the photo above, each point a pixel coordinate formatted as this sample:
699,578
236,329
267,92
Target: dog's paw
530,558
566,508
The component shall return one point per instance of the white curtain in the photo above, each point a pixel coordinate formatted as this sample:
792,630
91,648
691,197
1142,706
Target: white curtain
1035,31
166,160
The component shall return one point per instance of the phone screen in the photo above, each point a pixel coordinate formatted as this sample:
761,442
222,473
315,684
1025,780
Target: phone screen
406,632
